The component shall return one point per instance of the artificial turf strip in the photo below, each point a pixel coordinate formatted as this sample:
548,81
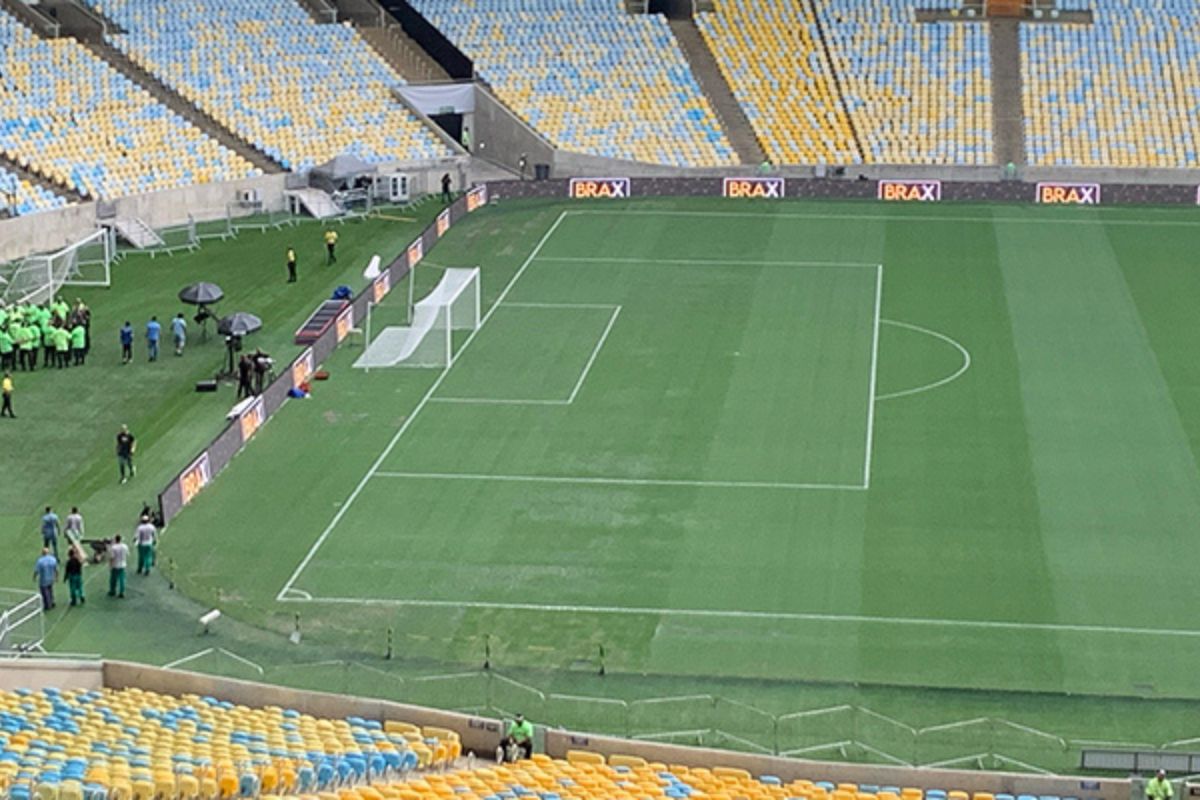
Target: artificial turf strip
1030,520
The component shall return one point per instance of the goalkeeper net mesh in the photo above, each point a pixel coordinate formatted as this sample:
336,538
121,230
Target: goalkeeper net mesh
429,340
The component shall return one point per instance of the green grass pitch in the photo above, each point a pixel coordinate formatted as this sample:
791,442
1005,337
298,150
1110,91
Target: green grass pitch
794,444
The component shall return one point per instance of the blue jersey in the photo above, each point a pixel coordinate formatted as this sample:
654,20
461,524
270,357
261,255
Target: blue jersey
127,335
153,330
50,525
45,568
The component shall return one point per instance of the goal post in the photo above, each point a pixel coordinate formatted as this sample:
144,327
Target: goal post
38,278
428,339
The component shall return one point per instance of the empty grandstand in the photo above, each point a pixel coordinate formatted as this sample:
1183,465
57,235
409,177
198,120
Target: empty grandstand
298,91
135,743
590,77
67,116
1119,92
771,55
917,93
19,196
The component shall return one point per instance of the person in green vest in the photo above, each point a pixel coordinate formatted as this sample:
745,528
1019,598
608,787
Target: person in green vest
519,737
27,345
62,346
79,343
48,353
1159,788
6,350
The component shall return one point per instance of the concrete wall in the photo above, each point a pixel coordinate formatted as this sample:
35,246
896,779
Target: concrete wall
477,733
498,135
44,673
559,742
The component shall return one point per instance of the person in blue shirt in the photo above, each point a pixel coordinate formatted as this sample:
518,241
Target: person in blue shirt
50,530
179,332
126,343
45,571
153,334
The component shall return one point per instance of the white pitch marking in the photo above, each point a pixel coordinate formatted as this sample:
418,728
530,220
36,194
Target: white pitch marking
874,373
416,411
609,306
497,401
588,366
882,217
854,619
966,365
608,481
719,262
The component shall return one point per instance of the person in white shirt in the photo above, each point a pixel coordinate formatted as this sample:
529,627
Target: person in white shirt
118,557
145,536
74,529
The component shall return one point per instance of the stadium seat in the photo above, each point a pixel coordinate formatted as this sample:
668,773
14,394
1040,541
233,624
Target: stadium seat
909,93
1119,92
69,117
300,92
590,77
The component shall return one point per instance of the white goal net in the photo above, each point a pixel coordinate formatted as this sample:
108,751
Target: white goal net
37,278
428,341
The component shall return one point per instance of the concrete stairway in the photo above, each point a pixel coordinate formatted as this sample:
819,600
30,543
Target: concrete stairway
1008,108
31,17
712,82
403,54
321,11
138,233
24,174
172,100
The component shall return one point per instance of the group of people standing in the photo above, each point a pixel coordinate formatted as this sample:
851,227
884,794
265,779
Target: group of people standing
60,331
114,551
154,332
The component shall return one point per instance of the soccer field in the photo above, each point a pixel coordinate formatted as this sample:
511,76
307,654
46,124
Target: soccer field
939,447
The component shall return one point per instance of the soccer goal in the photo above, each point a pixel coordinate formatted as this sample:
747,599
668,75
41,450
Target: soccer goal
38,278
428,341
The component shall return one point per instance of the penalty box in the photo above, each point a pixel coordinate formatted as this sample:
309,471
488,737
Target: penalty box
774,387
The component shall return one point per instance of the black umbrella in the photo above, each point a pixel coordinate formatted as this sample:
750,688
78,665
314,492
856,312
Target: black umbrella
201,294
238,324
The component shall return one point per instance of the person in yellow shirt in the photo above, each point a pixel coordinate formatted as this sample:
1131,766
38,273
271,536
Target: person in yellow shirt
1159,788
331,238
291,264
6,389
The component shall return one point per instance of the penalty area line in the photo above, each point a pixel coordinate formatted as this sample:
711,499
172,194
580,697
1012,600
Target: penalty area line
606,481
853,619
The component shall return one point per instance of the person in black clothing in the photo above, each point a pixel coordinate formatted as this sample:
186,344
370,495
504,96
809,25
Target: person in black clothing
447,196
262,363
74,575
126,447
244,370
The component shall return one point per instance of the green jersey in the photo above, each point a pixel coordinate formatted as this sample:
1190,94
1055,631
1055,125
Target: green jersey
26,336
6,342
62,339
521,731
79,337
